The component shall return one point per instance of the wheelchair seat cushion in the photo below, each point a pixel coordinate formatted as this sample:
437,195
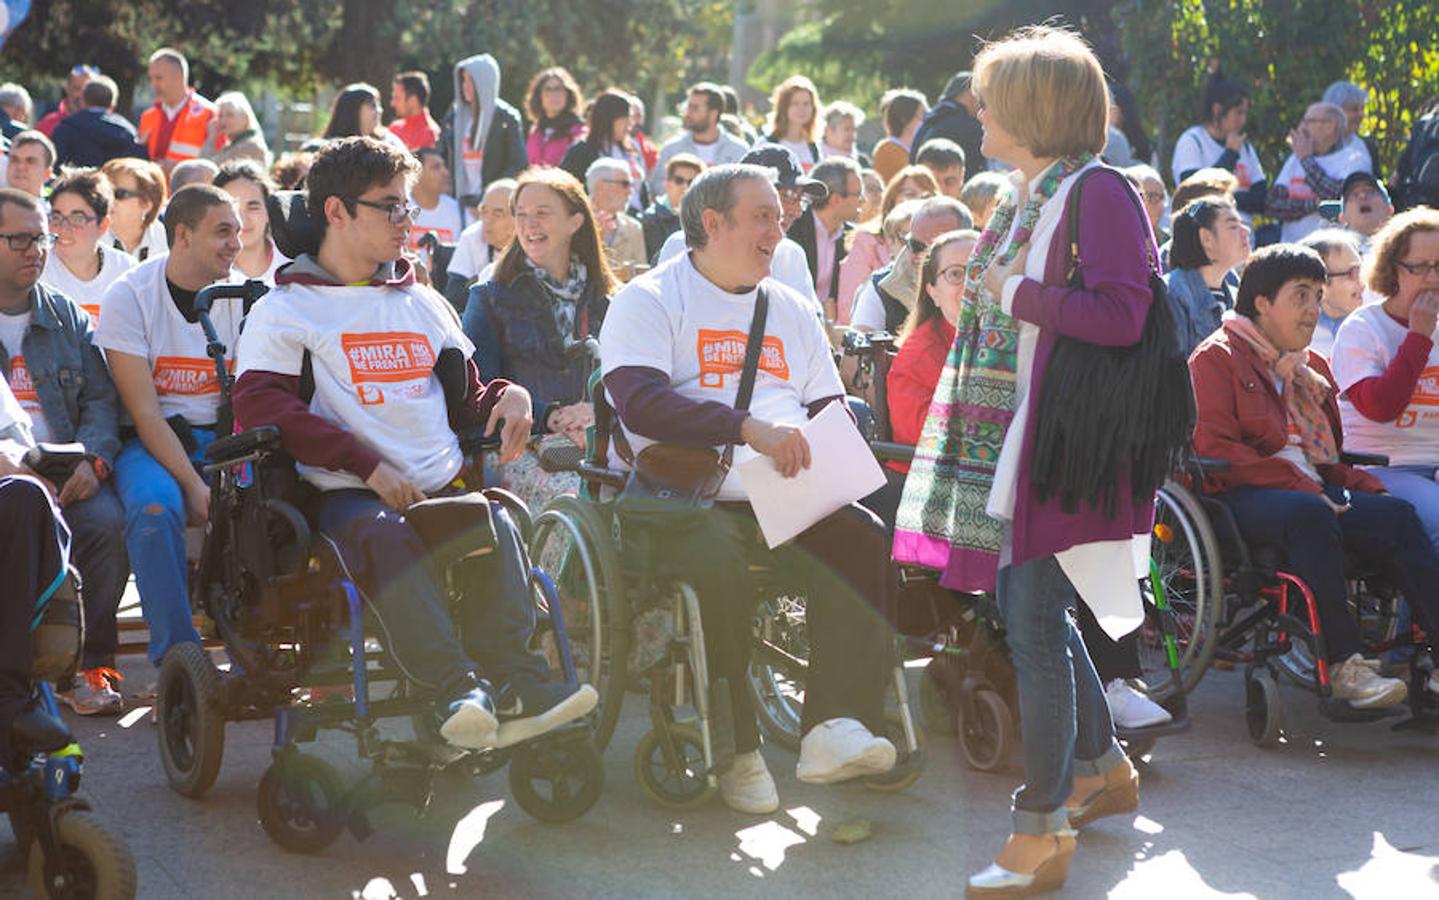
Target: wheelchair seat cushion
454,527
36,731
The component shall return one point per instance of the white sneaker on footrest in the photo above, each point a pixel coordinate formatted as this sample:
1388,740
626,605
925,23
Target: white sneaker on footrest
1131,709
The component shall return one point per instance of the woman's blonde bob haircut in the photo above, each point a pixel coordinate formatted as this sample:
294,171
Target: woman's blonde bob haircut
1391,244
1046,88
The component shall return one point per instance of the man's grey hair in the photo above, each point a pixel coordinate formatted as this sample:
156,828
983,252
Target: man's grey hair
192,171
835,173
940,206
1342,92
715,188
14,98
1328,240
842,109
603,168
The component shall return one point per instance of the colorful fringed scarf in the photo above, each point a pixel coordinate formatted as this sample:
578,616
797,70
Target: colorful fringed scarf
942,521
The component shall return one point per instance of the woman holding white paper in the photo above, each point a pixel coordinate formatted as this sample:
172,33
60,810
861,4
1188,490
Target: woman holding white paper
974,506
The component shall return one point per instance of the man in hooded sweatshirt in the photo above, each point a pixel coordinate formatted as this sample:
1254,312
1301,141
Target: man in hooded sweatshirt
483,134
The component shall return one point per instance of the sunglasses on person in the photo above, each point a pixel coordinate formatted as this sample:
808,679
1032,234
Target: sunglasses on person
915,245
21,241
395,213
681,180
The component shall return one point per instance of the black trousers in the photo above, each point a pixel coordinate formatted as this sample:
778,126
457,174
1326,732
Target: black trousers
1112,659
842,566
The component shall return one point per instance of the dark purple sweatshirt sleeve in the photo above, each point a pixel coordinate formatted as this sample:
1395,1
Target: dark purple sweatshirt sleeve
648,406
268,398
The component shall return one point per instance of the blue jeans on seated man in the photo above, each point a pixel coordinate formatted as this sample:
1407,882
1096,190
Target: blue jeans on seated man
391,566
98,527
1384,532
155,536
1062,711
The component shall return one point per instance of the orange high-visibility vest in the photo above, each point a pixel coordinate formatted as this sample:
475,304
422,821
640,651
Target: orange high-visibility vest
180,138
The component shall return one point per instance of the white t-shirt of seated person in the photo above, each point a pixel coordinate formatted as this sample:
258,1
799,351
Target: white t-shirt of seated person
87,294
1338,164
675,320
141,319
442,220
1365,345
373,352
472,252
12,336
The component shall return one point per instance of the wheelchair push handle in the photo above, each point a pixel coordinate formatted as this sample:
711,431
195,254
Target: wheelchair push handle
248,291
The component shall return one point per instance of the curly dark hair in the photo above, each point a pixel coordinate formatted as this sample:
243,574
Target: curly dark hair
348,167
574,100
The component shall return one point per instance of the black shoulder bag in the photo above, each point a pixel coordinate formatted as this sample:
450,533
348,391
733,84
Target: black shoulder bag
1104,412
668,478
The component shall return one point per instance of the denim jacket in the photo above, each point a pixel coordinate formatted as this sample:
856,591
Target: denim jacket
515,338
70,376
1196,314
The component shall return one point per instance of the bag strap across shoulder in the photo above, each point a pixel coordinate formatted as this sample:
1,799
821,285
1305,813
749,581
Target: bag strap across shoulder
1072,215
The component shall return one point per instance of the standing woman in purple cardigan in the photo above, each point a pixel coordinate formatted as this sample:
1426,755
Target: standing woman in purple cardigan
978,504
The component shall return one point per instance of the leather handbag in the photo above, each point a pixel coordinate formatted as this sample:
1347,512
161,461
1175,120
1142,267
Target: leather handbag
669,478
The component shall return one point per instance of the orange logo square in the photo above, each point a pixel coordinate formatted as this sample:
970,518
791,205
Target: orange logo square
722,353
388,356
185,375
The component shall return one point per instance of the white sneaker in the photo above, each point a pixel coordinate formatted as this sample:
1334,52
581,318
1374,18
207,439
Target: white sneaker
748,787
1358,681
1432,685
1131,709
837,750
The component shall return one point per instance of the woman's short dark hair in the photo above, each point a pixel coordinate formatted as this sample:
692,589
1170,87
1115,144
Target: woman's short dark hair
1272,267
90,185
1186,251
607,108
899,108
1224,91
345,112
245,170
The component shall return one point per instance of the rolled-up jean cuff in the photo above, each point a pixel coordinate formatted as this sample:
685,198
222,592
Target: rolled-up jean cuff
1030,822
1101,766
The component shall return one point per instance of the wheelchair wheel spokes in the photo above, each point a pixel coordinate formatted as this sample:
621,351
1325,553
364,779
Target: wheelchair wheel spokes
777,669
1187,559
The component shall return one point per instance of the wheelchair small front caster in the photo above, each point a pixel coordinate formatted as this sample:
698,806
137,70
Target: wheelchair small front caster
301,803
557,780
1263,711
681,783
986,736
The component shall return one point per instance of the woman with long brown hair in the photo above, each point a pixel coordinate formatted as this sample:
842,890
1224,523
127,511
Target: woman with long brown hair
794,119
553,102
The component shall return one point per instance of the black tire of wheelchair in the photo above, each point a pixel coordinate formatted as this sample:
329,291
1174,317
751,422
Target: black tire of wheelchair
558,764
187,668
987,744
935,709
1263,709
287,808
1206,631
907,766
772,728
97,862
615,615
690,745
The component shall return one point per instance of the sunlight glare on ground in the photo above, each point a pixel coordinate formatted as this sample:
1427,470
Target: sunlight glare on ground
805,819
1391,872
134,715
767,842
1167,875
468,834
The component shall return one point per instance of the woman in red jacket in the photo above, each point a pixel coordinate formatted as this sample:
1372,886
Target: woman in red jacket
1267,405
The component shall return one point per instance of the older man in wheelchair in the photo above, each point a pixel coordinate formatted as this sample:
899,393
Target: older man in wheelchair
1267,408
675,348
367,376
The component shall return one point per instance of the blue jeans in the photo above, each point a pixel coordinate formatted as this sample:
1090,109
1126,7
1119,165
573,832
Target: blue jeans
391,566
1417,485
155,536
98,527
1063,716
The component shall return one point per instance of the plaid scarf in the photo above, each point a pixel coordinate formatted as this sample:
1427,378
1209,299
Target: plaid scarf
942,521
1305,391
565,297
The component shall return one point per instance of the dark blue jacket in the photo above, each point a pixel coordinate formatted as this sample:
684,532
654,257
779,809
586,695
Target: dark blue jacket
93,137
950,120
513,330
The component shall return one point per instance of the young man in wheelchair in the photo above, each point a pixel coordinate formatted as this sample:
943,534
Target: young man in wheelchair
670,361
1267,406
377,435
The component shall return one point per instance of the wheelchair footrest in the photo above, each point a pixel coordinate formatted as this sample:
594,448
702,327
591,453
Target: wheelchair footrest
1177,725
1338,710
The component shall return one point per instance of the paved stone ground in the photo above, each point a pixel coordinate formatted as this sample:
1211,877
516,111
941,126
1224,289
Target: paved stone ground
1336,811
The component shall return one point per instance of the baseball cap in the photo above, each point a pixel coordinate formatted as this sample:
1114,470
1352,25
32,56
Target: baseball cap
1330,209
784,162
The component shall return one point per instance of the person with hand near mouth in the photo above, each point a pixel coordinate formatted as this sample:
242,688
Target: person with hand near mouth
167,384
1363,207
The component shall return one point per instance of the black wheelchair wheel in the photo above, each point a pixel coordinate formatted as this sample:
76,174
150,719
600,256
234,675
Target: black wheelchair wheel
778,667
908,765
574,546
557,780
22,824
682,786
1186,556
190,718
301,803
987,739
1263,709
96,863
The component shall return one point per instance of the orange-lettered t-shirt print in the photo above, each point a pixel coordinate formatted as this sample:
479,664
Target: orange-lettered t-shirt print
185,375
390,356
721,353
20,384
1424,404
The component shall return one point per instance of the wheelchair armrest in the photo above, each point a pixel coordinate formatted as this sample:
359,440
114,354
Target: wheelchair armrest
889,450
236,447
1209,464
561,457
614,478
1350,458
56,462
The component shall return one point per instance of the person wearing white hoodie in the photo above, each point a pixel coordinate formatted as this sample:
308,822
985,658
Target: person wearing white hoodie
482,134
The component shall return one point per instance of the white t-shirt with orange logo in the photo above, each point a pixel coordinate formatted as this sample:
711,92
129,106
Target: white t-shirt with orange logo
442,220
12,335
87,294
675,320
1366,343
141,319
373,352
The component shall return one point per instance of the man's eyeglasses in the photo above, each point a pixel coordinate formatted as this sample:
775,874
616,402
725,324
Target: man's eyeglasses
1351,272
21,242
74,220
85,70
792,194
395,213
1419,270
952,275
1153,196
626,184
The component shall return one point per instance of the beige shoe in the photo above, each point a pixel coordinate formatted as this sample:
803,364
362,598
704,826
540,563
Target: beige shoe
1358,681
